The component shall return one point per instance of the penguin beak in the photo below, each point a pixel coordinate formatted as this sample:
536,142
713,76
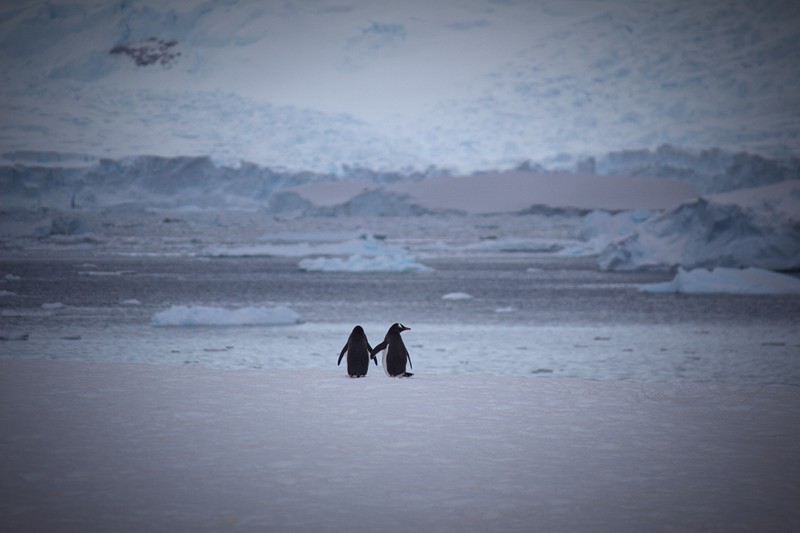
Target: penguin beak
405,329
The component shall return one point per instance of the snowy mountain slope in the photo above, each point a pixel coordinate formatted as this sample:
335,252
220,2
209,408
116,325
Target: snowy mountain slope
464,85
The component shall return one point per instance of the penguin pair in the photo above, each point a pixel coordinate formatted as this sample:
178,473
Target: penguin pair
394,351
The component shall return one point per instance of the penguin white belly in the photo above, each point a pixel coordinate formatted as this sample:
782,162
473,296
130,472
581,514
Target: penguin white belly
383,360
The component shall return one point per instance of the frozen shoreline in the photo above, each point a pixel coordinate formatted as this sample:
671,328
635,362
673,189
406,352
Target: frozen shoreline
144,448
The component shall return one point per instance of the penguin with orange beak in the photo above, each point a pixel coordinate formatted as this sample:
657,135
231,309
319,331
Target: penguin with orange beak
395,354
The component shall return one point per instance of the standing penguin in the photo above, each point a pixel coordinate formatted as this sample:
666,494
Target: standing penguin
358,353
395,353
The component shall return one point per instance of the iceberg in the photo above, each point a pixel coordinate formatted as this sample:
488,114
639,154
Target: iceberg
748,228
191,316
727,281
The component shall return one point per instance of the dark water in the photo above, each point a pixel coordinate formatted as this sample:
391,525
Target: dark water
529,315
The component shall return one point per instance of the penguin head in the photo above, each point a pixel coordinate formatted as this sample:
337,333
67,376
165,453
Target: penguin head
398,328
358,330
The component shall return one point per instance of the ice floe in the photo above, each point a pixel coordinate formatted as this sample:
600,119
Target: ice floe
455,296
728,281
180,315
400,262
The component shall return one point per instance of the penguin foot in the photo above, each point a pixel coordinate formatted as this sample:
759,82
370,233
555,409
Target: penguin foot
405,375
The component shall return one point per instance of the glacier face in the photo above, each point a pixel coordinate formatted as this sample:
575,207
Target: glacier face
317,85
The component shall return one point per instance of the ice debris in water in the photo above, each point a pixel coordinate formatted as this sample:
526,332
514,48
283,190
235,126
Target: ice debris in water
180,315
374,256
457,296
727,280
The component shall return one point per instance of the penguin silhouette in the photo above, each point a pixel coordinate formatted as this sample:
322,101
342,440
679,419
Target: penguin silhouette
395,353
358,353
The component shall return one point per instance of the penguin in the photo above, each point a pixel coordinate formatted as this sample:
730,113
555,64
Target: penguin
395,353
358,353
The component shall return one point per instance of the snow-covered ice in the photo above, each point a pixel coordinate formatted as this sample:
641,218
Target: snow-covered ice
727,281
242,81
192,316
143,448
753,227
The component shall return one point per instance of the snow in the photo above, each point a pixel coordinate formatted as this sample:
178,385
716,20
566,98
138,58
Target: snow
727,281
196,316
601,227
751,227
242,80
118,447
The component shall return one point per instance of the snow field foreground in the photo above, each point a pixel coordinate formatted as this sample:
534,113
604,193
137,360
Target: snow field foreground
114,447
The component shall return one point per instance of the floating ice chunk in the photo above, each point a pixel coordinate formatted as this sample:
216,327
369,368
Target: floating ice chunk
504,310
12,277
179,315
362,263
7,293
365,255
728,281
52,306
364,246
132,301
455,296
106,272
516,245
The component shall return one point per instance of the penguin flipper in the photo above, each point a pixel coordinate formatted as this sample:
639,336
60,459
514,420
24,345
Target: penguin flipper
342,354
377,349
409,361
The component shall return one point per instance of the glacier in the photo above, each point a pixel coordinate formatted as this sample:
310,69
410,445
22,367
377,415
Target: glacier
387,88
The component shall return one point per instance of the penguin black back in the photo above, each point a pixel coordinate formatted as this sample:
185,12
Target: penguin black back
395,354
358,353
